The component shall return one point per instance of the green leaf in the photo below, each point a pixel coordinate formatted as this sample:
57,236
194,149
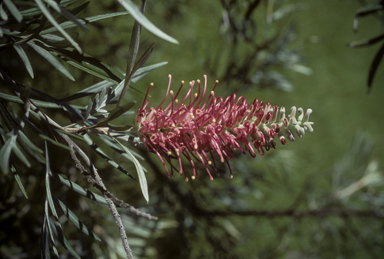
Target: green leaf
59,234
91,71
140,172
116,112
102,154
47,14
74,219
20,155
45,254
50,230
4,16
48,172
71,134
374,65
135,12
141,72
54,142
18,180
77,188
367,42
24,58
66,14
29,143
68,24
5,154
51,59
13,9
138,64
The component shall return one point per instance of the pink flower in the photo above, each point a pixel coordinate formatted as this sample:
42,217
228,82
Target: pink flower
198,129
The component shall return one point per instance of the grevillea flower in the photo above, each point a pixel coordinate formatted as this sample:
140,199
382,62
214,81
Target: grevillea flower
198,129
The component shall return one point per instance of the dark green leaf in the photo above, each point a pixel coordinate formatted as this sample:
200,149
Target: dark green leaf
120,128
24,58
374,65
71,134
140,172
51,59
141,72
74,219
20,155
368,9
48,172
13,9
128,77
364,11
59,234
45,254
102,154
29,143
367,42
5,154
135,12
47,14
50,230
18,180
80,190
54,142
68,24
65,13
4,16
89,108
115,113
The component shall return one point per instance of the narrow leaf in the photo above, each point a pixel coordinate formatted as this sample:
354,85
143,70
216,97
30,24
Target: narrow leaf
51,59
59,234
5,154
13,9
68,24
140,172
74,219
116,112
18,180
29,143
54,142
89,108
141,72
135,12
24,58
77,188
366,42
66,14
47,14
50,230
48,185
374,65
4,16
102,154
128,77
45,254
20,155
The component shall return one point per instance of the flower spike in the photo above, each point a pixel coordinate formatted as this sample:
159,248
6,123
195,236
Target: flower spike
219,127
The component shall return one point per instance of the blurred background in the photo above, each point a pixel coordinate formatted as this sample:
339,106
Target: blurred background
319,197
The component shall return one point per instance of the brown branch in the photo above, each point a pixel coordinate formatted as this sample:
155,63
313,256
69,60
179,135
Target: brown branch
101,188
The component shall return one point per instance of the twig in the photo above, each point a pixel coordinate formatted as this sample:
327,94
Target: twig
99,182
101,188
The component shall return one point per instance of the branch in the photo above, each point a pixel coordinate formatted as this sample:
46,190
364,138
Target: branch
101,188
99,183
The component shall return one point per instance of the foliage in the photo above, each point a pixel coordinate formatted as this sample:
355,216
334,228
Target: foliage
44,200
371,9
